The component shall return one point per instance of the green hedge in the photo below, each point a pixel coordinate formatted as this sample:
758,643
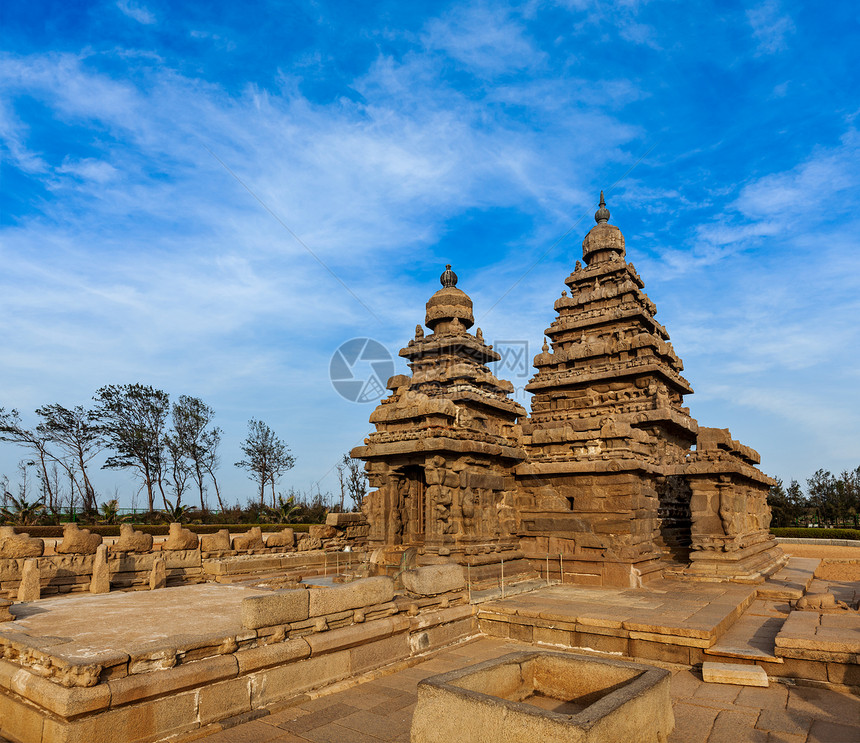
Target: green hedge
795,532
156,530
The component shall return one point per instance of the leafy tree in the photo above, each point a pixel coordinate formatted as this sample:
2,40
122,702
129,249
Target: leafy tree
776,499
195,440
786,505
266,457
848,495
356,480
821,488
78,436
796,501
175,513
109,512
133,419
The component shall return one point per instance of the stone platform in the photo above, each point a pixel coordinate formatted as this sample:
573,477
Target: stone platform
379,707
141,667
690,623
86,627
669,620
148,666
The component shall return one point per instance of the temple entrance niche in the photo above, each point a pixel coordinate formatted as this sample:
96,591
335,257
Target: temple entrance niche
410,511
673,514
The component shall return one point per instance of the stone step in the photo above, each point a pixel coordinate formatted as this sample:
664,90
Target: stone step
511,589
730,673
792,581
752,637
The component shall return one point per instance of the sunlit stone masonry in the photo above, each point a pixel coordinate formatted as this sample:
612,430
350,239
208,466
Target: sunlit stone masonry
442,458
610,480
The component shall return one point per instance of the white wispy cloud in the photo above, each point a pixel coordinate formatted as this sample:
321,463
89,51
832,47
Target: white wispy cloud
771,26
486,38
137,12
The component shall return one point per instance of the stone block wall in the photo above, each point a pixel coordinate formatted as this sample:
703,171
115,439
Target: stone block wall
603,524
131,557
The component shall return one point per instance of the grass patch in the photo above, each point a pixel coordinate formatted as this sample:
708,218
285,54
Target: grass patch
797,532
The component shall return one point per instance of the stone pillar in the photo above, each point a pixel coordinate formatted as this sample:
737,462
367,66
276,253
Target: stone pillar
100,581
5,614
30,588
158,576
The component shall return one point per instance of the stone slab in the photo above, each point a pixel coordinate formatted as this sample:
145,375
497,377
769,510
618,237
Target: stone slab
366,592
434,579
91,625
791,581
277,607
734,673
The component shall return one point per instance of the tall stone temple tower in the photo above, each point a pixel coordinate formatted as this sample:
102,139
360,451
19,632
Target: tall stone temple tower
610,475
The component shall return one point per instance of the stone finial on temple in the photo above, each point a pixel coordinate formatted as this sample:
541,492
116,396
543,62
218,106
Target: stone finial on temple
448,277
604,242
601,216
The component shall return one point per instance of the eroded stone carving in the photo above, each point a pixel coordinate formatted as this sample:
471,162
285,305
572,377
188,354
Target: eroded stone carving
158,574
78,541
180,538
100,580
30,588
285,538
19,545
218,542
250,540
131,540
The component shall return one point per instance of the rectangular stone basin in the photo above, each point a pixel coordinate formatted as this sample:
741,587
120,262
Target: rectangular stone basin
548,697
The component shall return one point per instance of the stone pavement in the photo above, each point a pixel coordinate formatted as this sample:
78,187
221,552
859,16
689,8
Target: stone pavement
381,709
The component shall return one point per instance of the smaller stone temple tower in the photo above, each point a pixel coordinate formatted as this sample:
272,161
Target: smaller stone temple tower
441,460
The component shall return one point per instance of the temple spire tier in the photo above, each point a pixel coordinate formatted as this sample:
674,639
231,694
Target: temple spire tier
447,439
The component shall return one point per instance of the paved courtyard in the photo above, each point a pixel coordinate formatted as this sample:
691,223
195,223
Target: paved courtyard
380,709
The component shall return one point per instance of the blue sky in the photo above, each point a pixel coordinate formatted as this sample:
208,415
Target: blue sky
211,197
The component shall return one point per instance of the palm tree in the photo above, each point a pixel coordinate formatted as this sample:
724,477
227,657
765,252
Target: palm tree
21,512
284,511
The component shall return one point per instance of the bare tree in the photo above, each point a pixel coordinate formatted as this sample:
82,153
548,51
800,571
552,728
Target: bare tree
179,469
211,440
356,480
267,457
341,481
76,434
35,441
